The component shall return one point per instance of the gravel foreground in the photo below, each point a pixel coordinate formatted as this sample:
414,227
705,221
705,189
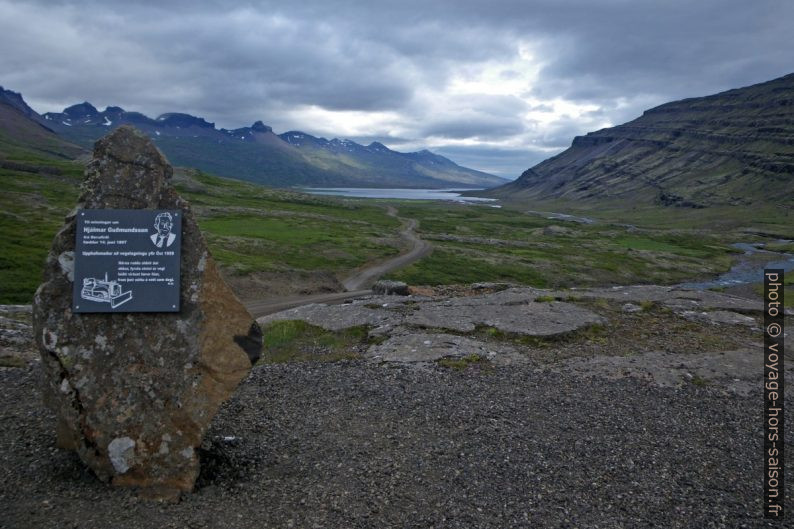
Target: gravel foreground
355,444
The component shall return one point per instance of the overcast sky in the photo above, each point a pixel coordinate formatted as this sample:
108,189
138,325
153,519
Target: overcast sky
494,85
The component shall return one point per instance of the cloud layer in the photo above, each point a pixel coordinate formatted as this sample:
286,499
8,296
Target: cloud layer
498,86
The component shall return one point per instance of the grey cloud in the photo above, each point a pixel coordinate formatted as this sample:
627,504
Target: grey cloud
672,50
395,142
233,63
507,163
482,117
483,128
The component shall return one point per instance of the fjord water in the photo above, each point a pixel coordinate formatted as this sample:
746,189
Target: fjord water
402,194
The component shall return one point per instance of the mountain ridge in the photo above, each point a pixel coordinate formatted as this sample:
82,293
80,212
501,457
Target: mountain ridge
21,128
257,154
731,148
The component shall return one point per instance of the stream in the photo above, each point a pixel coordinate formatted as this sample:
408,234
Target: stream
562,216
747,270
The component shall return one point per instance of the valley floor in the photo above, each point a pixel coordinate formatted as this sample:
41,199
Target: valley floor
570,403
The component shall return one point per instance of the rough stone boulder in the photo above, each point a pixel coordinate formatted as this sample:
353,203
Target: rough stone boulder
134,393
392,288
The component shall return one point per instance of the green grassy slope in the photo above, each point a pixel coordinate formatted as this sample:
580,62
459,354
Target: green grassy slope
269,235
253,229
475,243
250,229
39,179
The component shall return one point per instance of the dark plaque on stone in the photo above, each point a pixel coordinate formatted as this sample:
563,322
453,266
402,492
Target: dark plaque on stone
127,260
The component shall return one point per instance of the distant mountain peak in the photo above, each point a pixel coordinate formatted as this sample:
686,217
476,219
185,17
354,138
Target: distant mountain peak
15,100
81,110
178,119
258,126
376,145
256,153
27,128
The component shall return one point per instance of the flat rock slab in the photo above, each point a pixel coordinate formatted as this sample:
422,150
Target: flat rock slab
428,347
389,301
714,301
510,296
740,371
13,309
16,336
528,318
334,317
512,310
670,296
720,317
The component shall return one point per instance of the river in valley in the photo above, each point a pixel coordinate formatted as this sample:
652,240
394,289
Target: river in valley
749,268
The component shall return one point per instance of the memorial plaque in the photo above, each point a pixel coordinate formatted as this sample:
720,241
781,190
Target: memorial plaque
134,394
127,260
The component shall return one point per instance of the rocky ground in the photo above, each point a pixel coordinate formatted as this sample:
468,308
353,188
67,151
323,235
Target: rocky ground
477,407
667,336
16,341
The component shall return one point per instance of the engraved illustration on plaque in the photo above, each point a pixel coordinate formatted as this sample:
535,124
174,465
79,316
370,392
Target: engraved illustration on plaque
104,291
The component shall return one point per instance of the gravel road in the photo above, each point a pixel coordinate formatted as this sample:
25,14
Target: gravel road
418,248
355,444
358,283
263,307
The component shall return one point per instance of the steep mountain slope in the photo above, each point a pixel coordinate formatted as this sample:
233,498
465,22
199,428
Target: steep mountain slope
256,154
732,148
21,131
40,175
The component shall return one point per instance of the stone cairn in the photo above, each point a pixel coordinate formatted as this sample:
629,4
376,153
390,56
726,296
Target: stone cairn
134,393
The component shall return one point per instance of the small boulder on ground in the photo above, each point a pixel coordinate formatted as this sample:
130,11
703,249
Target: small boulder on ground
554,230
390,288
719,317
489,286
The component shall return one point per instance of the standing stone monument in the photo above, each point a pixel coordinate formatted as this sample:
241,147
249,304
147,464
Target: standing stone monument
134,392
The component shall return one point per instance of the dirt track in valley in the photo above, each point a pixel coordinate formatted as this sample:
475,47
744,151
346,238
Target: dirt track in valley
358,283
367,275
